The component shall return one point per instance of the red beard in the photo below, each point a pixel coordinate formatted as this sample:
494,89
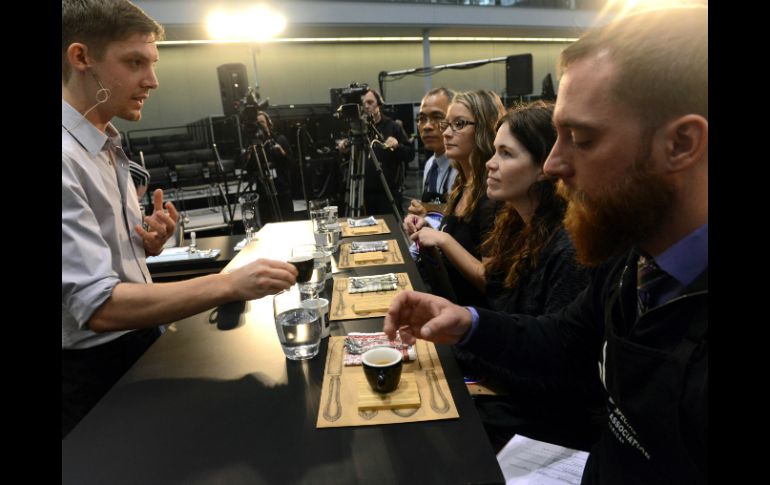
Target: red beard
610,223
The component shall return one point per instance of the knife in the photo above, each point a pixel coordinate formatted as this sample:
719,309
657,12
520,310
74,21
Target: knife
346,256
426,364
340,287
334,366
396,253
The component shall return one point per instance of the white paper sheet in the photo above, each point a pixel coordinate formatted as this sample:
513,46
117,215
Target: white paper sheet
526,461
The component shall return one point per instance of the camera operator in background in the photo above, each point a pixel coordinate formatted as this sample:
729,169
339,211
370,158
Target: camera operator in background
272,166
393,153
279,156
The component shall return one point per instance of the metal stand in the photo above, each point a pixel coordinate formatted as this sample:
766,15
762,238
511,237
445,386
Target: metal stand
361,142
262,175
354,196
388,193
230,214
301,163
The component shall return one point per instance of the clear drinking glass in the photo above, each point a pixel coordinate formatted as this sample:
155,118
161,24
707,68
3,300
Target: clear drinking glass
322,306
331,214
318,219
250,214
328,237
317,204
298,328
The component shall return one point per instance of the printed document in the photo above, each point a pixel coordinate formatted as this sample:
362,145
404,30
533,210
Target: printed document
526,461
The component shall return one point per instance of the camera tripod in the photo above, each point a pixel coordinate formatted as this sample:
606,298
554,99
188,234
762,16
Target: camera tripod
360,144
222,186
260,175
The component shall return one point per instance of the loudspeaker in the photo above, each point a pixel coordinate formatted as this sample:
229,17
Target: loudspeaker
518,75
233,86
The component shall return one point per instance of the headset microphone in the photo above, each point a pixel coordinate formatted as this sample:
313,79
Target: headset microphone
103,94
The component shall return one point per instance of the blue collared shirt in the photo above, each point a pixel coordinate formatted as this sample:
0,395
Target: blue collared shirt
100,247
685,261
446,173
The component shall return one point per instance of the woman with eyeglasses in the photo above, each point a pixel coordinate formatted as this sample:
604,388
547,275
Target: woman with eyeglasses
469,133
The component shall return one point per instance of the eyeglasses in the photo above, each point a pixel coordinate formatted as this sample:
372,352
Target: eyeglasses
435,119
456,125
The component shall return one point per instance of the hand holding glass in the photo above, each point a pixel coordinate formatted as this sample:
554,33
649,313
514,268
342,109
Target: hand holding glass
313,279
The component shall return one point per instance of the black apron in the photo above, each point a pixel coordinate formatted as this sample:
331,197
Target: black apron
645,386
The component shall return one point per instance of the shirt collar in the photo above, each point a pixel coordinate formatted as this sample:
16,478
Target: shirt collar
440,160
688,258
85,132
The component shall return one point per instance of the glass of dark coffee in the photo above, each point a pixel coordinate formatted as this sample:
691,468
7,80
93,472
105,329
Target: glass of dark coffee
304,265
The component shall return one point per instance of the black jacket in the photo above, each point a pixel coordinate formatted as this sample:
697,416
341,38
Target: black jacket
393,162
470,235
655,371
554,281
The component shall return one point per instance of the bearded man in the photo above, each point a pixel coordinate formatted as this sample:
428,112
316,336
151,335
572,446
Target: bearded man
632,159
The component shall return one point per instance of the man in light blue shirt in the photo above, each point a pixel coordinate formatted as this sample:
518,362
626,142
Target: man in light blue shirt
110,308
439,175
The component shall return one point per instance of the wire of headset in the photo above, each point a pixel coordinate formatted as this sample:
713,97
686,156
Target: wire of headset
102,96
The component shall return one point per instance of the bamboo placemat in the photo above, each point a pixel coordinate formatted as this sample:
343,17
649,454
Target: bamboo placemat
349,306
391,256
339,404
380,228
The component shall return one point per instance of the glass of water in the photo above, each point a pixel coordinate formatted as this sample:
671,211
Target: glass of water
250,214
318,204
318,219
298,327
328,237
331,214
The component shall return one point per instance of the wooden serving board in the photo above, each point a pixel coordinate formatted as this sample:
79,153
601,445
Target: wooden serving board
406,395
349,306
375,258
380,228
340,392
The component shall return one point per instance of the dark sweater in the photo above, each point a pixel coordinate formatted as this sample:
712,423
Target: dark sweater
555,414
553,283
470,236
654,369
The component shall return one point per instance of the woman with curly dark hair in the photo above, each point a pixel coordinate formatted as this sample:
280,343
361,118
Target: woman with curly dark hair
530,268
530,265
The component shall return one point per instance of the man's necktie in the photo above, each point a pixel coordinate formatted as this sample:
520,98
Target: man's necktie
433,178
648,277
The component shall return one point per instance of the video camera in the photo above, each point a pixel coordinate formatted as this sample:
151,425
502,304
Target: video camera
248,111
347,105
